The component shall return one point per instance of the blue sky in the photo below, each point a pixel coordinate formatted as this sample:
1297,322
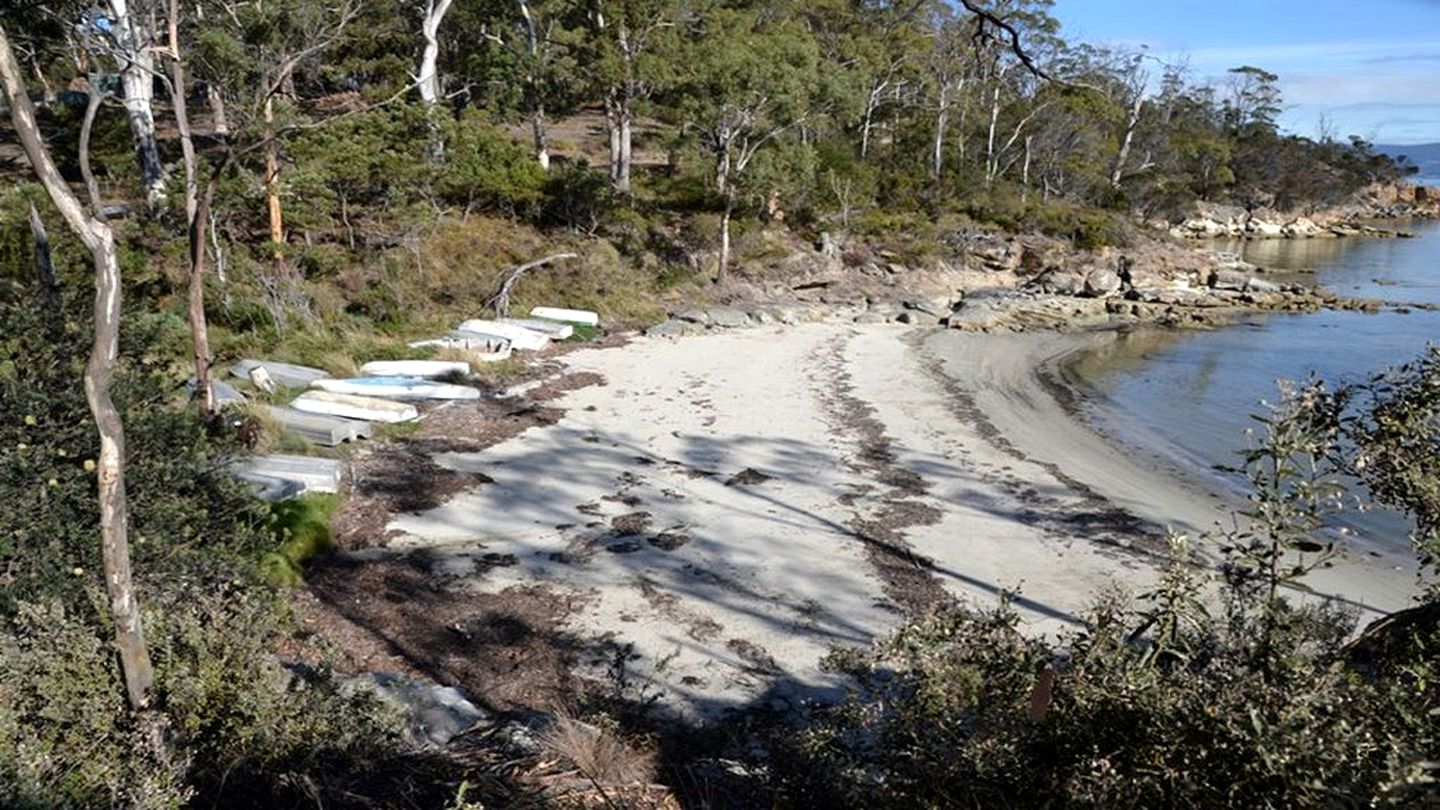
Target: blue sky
1372,66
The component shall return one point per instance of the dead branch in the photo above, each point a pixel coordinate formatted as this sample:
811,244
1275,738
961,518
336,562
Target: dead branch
500,302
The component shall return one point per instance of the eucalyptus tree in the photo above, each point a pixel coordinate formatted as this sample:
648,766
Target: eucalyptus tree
530,37
627,46
750,78
134,654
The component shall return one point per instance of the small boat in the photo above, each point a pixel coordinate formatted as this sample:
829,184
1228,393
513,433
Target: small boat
283,477
429,369
328,431
555,330
583,317
396,388
481,348
525,340
350,406
286,374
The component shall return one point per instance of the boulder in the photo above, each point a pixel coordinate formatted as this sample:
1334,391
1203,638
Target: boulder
727,318
1102,283
1302,228
915,318
671,328
694,316
1264,229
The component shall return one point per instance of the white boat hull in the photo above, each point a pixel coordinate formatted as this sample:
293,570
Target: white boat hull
555,330
396,388
522,339
349,406
429,369
481,348
580,316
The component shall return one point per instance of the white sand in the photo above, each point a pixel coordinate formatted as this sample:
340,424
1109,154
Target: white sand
774,572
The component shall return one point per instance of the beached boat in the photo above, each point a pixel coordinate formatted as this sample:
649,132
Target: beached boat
328,431
480,348
429,369
522,339
285,374
583,317
350,406
555,330
283,477
396,388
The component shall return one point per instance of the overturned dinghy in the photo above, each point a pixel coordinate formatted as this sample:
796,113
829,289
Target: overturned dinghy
429,369
348,406
329,431
285,374
584,317
522,339
283,477
481,348
555,330
396,388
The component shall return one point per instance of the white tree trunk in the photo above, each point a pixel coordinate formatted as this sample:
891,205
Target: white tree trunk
942,120
135,666
1131,123
137,80
532,85
428,79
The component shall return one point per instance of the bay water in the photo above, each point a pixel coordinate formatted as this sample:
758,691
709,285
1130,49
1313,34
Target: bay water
1186,398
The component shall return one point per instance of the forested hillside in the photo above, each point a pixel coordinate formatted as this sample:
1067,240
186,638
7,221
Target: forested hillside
325,180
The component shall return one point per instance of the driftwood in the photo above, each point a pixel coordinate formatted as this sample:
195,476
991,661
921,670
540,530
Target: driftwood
500,302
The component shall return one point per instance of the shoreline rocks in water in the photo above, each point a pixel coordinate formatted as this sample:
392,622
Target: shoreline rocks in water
1381,201
999,283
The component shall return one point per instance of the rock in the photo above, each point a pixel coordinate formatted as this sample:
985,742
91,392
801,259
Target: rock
939,307
1102,283
694,316
1256,285
434,714
670,328
827,246
896,269
916,318
1226,279
1062,283
728,318
1302,228
762,317
1262,228
871,317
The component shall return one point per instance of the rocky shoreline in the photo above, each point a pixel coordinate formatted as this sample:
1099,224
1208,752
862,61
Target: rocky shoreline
1395,201
997,284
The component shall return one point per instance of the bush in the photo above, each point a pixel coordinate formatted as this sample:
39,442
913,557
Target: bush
1156,702
234,722
187,512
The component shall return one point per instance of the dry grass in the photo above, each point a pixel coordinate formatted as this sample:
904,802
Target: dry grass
601,756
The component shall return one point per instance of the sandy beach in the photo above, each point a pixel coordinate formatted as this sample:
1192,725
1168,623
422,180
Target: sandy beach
724,509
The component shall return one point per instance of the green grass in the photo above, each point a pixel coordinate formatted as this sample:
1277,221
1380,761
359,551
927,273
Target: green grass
302,527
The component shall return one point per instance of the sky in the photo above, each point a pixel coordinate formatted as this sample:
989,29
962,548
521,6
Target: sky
1371,66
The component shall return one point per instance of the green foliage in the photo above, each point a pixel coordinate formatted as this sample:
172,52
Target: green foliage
234,722
302,525
1157,702
484,169
187,511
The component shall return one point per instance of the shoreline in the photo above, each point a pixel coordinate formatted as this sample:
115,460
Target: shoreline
717,512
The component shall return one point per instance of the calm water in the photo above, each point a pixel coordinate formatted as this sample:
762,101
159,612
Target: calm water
1188,397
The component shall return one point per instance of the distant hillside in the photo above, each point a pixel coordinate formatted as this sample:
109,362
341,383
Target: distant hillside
1424,155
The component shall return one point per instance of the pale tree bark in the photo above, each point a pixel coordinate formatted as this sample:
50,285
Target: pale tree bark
1132,122
427,81
135,663
137,79
195,294
44,262
272,185
532,85
95,98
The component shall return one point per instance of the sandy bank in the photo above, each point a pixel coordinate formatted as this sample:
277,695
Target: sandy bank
728,507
